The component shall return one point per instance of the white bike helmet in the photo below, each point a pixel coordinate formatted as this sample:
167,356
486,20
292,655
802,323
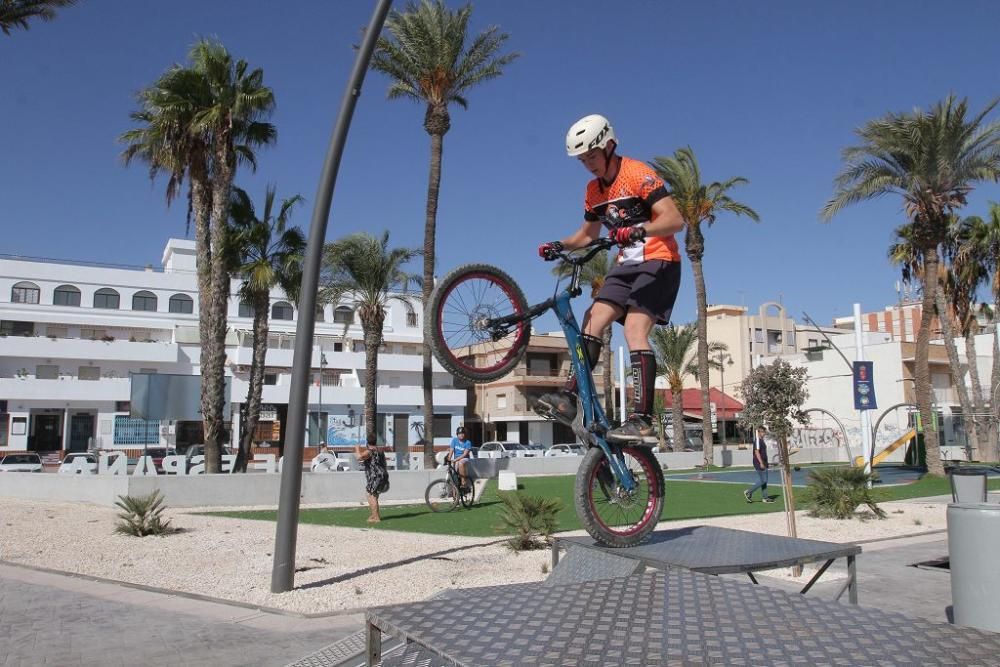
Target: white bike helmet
588,133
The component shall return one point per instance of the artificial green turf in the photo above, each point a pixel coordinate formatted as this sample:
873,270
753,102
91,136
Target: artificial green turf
684,500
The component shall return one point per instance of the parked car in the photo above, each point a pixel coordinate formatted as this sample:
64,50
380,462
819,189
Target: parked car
70,466
566,449
504,450
27,462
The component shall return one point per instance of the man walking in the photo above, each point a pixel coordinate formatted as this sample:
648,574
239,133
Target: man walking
760,465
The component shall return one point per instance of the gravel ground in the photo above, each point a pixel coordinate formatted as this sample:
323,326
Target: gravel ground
338,568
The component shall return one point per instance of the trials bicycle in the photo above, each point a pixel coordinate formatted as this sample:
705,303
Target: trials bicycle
444,495
479,326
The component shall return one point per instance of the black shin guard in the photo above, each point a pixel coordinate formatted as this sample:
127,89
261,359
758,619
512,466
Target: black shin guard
592,352
643,381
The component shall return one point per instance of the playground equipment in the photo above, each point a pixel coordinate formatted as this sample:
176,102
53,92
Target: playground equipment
859,461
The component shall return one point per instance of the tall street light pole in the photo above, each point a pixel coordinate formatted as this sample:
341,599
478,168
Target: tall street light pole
283,568
723,358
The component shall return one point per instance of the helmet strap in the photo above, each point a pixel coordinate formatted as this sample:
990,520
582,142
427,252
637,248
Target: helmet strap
609,155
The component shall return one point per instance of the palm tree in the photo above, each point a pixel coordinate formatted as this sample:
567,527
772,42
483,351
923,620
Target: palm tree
978,257
594,272
932,160
268,254
677,357
910,259
699,203
199,122
364,269
16,13
424,54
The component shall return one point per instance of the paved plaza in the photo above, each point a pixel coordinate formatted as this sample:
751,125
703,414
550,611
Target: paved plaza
64,620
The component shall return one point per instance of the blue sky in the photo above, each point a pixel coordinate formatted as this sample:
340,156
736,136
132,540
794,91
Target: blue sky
771,91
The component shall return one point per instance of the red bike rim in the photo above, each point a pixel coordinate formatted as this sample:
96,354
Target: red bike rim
516,310
646,517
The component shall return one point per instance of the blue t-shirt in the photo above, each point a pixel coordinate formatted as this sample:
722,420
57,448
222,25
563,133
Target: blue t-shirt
459,447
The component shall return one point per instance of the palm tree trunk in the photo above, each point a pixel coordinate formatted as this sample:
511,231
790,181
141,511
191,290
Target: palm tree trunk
706,409
981,425
251,412
372,328
214,357
430,230
994,386
201,208
607,374
789,493
922,374
957,370
677,416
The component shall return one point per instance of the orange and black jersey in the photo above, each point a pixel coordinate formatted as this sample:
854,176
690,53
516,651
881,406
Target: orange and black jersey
628,201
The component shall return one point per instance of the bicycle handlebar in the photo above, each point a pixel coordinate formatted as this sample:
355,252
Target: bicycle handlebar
592,249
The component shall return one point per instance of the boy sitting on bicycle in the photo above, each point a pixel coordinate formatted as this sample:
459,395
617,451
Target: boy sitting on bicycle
629,198
460,454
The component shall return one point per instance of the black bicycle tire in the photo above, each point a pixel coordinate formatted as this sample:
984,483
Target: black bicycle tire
584,507
440,347
468,498
440,507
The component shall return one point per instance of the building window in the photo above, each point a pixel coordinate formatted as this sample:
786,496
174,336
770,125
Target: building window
411,318
246,310
106,298
47,372
501,401
338,347
343,315
282,311
90,373
144,301
16,328
181,303
66,295
25,293
758,335
320,313
270,378
813,342
92,334
57,331
442,426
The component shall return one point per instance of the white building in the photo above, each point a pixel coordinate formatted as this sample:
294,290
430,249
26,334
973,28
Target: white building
72,333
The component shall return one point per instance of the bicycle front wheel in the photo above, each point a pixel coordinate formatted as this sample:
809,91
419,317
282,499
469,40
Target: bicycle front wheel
463,323
613,516
441,496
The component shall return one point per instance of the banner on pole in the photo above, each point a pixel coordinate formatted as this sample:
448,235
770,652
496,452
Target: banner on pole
864,386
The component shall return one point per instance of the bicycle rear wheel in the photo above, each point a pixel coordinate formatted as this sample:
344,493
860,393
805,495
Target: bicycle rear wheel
613,516
441,496
462,323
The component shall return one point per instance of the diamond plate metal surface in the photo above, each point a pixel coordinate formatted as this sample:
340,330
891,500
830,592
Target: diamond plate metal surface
715,550
679,617
335,653
589,564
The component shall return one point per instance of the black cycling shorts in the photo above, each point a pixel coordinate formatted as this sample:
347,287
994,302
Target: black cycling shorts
649,286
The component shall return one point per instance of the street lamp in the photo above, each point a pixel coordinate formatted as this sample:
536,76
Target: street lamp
723,359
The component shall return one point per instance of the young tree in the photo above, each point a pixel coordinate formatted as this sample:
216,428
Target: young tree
772,397
364,269
932,160
424,54
699,202
267,253
16,13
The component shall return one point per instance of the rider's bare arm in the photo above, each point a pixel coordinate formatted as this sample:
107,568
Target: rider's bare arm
665,219
588,232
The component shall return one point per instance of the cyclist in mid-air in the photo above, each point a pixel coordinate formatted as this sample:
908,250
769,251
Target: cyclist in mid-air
629,199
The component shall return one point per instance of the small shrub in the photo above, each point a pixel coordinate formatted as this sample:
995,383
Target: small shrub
531,519
142,515
837,492
545,568
918,522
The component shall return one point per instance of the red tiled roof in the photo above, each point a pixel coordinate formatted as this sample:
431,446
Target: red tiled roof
726,406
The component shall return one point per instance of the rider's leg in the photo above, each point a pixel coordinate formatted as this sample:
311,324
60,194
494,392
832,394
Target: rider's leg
638,325
598,318
461,465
